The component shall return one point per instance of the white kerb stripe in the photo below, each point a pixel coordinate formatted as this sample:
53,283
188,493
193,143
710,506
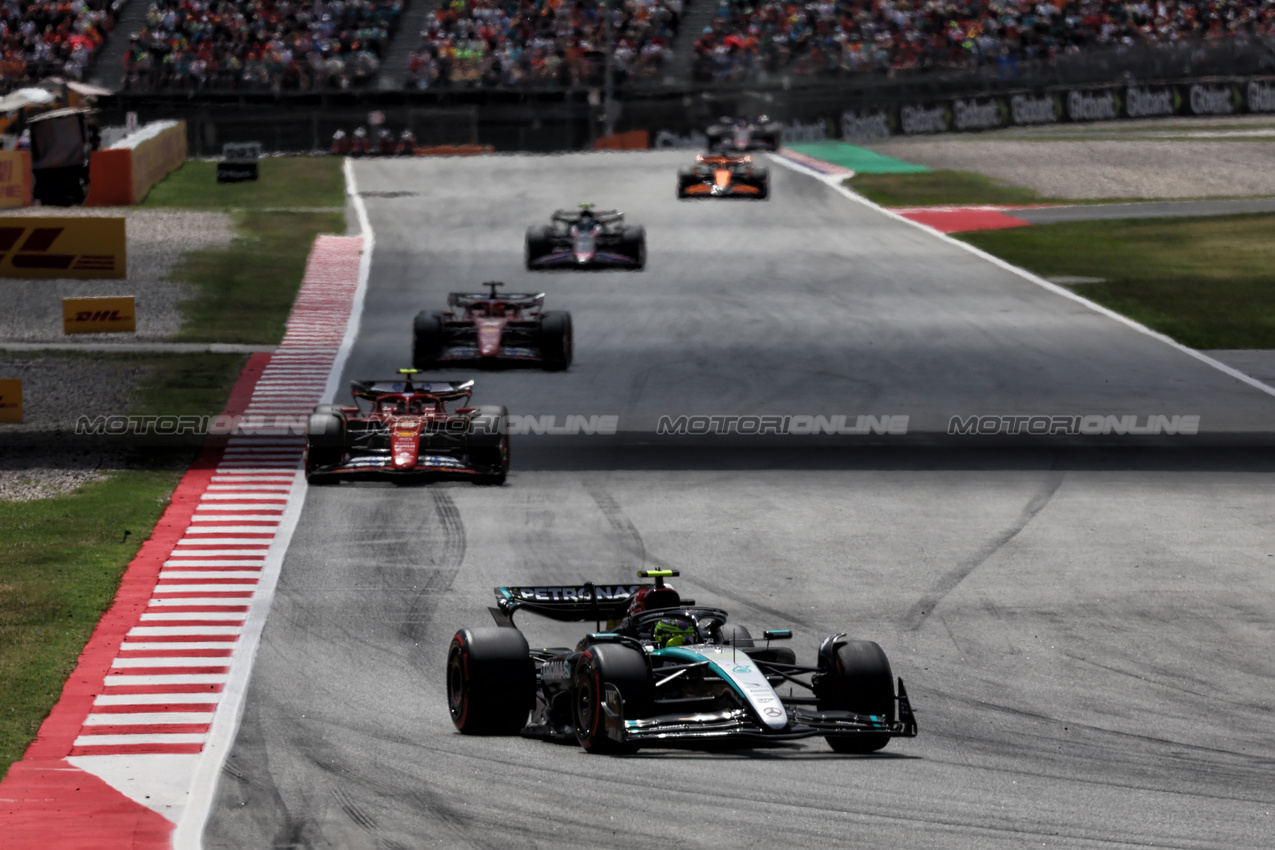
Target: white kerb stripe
148,718
120,681
154,699
183,631
120,740
171,662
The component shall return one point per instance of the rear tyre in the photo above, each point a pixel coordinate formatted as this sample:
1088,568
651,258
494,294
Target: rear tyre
599,666
556,340
861,681
489,444
427,339
736,636
539,243
491,681
633,244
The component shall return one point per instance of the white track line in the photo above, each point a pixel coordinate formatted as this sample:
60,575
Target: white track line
189,833
835,183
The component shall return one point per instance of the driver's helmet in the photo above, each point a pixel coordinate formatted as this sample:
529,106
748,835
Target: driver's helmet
671,631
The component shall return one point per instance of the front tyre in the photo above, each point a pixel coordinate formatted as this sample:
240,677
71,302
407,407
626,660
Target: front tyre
601,665
862,682
556,340
491,681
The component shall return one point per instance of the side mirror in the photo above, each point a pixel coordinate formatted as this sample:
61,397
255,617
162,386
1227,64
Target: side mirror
777,634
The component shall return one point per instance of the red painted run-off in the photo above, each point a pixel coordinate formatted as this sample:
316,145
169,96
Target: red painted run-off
956,220
150,678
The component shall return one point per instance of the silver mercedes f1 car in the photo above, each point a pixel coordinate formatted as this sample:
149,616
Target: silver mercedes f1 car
665,672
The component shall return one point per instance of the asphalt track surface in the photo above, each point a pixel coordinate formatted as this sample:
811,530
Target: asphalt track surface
1085,635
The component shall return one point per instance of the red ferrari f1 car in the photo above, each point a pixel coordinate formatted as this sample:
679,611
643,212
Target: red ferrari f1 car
403,428
724,176
488,328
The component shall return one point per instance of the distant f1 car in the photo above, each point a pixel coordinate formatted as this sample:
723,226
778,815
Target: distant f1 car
403,428
487,327
745,134
586,239
724,176
665,672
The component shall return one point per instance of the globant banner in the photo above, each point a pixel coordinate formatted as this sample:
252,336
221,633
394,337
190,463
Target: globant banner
1071,105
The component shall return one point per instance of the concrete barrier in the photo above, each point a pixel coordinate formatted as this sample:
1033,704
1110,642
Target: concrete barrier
124,173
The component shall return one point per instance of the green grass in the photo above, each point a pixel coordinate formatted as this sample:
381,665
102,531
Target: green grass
1206,282
939,188
246,289
62,564
303,181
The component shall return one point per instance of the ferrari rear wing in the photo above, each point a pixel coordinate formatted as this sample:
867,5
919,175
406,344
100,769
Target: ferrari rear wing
444,390
521,300
565,603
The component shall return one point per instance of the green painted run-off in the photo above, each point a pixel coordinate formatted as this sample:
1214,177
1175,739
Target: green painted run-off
857,159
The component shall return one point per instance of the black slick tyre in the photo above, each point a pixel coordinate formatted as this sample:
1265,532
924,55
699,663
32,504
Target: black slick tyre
600,666
489,444
633,244
491,681
556,340
427,339
861,681
539,243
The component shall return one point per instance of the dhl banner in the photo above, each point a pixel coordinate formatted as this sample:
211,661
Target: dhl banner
11,400
43,247
110,314
124,173
15,179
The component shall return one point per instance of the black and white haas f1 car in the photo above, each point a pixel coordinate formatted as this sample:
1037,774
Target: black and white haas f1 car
745,134
586,239
398,429
666,672
724,176
492,328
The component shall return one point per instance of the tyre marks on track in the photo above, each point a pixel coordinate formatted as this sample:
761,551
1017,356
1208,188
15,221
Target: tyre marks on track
924,607
632,549
448,554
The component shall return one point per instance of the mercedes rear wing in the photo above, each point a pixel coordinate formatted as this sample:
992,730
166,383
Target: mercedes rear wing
578,603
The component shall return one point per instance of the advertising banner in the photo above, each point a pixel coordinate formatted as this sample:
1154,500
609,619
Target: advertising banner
15,179
1151,101
866,126
916,119
1212,98
45,247
1100,105
1027,109
11,400
1259,96
979,113
111,314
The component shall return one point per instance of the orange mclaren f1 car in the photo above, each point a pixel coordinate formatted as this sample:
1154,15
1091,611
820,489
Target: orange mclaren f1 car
724,176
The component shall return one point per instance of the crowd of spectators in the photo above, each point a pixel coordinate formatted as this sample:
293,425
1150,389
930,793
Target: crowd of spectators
260,44
542,42
41,38
753,39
